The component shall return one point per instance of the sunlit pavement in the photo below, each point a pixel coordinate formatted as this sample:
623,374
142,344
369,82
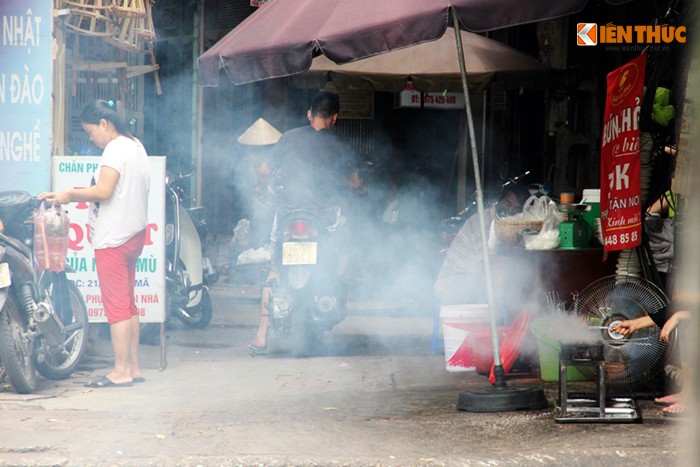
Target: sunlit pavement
378,397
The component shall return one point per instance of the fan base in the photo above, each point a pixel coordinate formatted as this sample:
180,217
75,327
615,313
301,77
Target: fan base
583,408
502,400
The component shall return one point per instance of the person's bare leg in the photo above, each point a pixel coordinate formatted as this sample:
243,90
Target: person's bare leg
134,349
682,398
261,335
121,345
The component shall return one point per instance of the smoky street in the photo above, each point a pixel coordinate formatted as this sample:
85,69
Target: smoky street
378,396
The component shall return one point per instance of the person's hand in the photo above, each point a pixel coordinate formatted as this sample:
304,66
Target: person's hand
55,198
46,195
626,327
630,326
671,324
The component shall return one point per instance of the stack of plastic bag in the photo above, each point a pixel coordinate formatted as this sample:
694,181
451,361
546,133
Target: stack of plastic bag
545,209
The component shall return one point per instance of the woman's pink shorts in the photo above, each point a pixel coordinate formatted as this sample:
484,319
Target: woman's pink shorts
116,271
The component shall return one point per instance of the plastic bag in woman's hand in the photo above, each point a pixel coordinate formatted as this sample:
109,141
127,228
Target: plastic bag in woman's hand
51,227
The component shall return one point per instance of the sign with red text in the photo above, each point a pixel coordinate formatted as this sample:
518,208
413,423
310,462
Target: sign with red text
443,100
150,292
620,178
410,98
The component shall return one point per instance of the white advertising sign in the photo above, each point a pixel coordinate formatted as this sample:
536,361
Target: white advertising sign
410,98
150,292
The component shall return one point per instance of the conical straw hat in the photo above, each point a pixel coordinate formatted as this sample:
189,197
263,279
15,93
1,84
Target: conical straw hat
260,133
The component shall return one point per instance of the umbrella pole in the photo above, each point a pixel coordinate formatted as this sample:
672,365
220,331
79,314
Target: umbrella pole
480,207
502,399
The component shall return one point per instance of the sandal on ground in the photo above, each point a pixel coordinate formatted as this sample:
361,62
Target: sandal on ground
105,382
256,350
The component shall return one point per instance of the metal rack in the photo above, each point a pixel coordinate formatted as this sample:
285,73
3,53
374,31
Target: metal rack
595,407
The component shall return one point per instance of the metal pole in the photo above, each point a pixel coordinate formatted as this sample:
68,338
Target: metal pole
498,367
483,133
197,99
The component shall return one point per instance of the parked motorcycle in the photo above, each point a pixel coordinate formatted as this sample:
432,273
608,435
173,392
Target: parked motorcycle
188,273
307,298
43,316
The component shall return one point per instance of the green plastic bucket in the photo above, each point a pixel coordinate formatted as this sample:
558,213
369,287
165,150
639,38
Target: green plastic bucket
549,354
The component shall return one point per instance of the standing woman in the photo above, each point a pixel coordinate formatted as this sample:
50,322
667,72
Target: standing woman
117,228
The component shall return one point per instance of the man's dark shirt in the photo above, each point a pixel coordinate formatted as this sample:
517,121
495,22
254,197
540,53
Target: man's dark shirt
313,166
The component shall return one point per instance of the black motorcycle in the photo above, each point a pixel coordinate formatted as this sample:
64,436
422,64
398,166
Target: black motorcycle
43,317
308,297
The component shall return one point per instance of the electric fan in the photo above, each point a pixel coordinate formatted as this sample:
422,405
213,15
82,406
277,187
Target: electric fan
632,359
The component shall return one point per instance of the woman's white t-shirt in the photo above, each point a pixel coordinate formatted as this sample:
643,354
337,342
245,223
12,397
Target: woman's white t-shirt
114,221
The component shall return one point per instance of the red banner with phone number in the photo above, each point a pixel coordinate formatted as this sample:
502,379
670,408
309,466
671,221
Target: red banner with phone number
620,179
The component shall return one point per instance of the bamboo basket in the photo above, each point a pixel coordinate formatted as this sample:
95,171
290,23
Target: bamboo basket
88,17
509,230
123,34
145,28
129,8
132,33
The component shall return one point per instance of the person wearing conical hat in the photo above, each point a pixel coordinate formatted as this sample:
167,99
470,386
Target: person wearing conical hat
252,178
260,133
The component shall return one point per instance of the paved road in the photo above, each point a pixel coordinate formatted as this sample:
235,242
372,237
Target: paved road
379,398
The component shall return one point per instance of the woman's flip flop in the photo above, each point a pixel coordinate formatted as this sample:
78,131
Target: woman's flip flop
105,382
255,350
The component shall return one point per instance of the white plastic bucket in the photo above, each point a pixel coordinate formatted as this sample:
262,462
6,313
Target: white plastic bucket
591,195
592,198
458,321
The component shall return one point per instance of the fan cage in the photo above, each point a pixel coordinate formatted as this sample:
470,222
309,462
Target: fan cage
637,358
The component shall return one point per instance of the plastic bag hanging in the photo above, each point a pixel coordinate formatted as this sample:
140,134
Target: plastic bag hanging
51,228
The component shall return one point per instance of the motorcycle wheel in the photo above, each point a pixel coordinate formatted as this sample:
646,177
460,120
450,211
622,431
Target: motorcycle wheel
61,363
16,347
198,316
305,336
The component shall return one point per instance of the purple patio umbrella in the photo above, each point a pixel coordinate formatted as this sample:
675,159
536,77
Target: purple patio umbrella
430,67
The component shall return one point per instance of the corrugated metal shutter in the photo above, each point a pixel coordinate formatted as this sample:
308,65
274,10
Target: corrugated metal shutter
230,13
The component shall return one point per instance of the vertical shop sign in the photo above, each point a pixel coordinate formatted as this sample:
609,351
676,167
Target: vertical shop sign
620,176
150,294
25,94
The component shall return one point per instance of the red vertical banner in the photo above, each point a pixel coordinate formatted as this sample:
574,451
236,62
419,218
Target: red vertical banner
620,179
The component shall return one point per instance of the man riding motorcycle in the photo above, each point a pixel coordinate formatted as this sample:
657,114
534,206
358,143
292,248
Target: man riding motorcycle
313,170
